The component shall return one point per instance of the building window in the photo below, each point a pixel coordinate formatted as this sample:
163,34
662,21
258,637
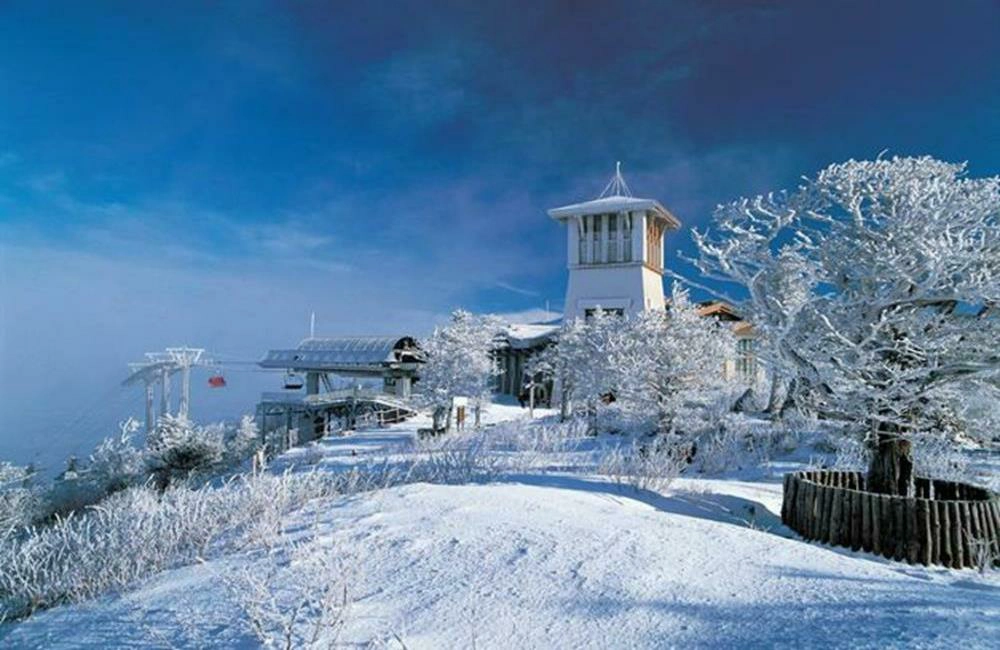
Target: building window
595,253
582,256
746,360
613,243
626,237
614,311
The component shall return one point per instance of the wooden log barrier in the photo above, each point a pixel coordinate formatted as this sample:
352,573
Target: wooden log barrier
947,524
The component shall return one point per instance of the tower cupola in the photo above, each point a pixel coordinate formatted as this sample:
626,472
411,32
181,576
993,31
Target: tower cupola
614,251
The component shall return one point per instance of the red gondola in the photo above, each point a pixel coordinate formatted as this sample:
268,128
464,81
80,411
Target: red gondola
217,381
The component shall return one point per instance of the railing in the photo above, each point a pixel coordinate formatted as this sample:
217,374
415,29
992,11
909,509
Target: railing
342,395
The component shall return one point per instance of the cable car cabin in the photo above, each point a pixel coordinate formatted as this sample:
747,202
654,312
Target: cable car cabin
217,381
293,381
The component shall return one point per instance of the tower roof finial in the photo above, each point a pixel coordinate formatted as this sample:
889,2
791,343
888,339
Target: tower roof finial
617,185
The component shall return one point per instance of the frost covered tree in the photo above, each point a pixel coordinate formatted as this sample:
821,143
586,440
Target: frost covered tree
753,243
178,448
667,364
116,463
19,499
459,362
894,318
245,440
580,362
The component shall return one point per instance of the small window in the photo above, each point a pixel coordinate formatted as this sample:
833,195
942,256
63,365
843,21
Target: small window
596,256
613,243
626,238
614,311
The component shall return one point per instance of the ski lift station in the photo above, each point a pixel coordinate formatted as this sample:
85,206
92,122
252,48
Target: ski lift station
393,361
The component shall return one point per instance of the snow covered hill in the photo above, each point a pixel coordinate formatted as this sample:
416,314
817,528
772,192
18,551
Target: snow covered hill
545,560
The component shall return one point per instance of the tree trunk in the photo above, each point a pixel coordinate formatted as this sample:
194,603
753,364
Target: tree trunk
891,468
774,401
788,403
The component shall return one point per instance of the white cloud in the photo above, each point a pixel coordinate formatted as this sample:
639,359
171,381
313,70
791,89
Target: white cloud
517,290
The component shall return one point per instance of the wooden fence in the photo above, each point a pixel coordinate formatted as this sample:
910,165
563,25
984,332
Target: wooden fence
950,524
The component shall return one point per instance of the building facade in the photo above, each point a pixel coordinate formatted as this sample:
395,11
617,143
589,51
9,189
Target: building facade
615,262
614,247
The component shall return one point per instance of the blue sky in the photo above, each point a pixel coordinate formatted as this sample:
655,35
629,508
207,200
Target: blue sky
209,173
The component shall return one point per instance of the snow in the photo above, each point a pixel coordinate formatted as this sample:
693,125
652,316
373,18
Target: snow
558,560
527,335
612,204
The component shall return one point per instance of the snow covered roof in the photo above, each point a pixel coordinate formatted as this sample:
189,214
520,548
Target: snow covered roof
331,353
522,336
617,203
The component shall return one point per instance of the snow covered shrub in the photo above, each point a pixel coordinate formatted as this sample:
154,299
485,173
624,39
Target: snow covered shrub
116,463
616,420
244,441
19,499
297,598
850,454
736,441
140,531
652,464
460,458
937,458
177,448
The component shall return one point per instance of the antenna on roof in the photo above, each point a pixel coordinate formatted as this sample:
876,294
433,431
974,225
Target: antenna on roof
617,185
312,325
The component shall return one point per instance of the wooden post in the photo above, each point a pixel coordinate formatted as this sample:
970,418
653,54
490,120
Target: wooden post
935,528
831,494
964,530
924,532
786,483
866,522
846,515
888,525
793,486
856,517
800,508
899,529
824,514
874,504
914,532
957,552
835,513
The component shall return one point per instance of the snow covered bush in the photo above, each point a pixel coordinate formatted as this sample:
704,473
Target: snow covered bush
19,499
735,441
459,362
882,279
140,531
178,448
116,463
243,442
296,598
650,464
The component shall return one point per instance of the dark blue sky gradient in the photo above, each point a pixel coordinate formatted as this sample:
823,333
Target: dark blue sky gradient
211,172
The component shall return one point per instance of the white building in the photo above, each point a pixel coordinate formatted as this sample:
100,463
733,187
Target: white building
614,249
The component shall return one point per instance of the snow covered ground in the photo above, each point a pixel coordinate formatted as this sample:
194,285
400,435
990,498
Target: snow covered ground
552,560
